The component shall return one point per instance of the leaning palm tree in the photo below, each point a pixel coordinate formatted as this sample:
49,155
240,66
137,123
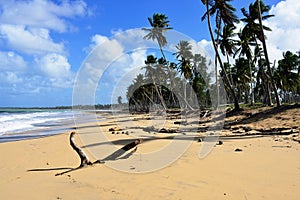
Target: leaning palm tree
151,73
226,42
263,8
256,30
244,48
225,11
159,24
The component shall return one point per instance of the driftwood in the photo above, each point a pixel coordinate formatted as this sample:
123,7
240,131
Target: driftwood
84,160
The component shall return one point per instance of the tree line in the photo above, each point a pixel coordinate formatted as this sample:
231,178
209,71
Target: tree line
241,63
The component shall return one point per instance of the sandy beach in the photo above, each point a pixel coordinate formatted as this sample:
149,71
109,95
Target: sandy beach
263,167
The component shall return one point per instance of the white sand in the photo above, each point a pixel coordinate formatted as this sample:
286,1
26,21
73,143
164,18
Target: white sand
264,169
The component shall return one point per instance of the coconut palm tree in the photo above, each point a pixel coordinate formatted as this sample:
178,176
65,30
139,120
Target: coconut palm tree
255,31
153,72
184,55
184,49
226,42
159,24
262,8
225,13
241,77
288,77
245,45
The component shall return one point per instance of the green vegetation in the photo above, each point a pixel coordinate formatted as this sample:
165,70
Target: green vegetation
246,71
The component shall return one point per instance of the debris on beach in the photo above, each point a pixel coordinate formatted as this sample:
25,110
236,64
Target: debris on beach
238,150
169,130
115,129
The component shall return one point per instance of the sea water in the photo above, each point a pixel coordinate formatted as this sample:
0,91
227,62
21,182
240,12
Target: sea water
18,124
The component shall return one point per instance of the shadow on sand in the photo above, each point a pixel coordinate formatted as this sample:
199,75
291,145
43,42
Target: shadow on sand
117,155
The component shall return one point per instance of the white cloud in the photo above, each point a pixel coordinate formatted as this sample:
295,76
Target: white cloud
11,61
286,12
285,28
29,40
35,59
26,25
111,65
54,65
98,40
42,13
56,70
10,77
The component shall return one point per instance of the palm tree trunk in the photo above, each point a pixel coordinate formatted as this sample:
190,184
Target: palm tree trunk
160,96
217,82
266,55
251,84
236,102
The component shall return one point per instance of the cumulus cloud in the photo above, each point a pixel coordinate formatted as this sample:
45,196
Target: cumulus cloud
10,77
285,28
39,13
29,40
11,61
35,59
54,65
12,68
111,65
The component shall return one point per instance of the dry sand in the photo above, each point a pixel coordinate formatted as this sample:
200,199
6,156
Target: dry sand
266,168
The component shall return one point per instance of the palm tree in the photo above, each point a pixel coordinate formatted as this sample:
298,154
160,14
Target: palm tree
241,76
298,88
152,70
137,96
245,45
226,42
184,49
225,14
184,56
288,78
262,8
255,31
159,24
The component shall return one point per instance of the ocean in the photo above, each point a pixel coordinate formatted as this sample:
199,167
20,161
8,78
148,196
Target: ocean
20,124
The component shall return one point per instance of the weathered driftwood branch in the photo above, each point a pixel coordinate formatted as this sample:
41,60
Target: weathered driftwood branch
84,160
115,155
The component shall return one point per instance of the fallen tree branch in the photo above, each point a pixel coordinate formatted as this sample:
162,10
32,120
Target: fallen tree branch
114,156
84,160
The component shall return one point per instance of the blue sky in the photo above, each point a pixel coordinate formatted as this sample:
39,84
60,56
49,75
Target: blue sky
45,44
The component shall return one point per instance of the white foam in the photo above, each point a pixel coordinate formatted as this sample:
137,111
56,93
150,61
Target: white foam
18,122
